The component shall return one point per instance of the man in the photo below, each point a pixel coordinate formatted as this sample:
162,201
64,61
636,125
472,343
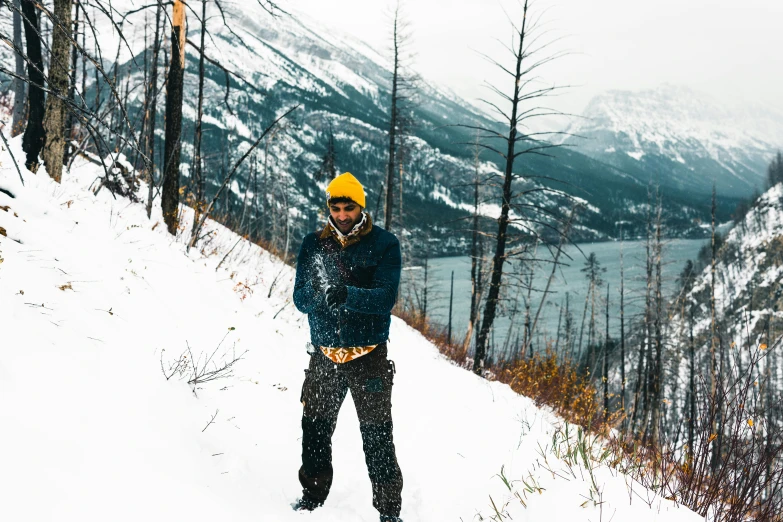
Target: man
347,278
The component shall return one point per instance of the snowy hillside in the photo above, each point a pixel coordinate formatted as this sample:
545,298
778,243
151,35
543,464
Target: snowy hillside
98,306
682,136
749,273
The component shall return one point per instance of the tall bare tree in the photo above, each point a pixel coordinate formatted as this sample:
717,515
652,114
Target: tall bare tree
657,365
69,124
622,332
19,85
59,79
198,178
174,98
150,111
605,366
402,81
393,121
33,139
525,49
476,250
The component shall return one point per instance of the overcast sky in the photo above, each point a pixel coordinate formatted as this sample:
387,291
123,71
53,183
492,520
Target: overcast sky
730,50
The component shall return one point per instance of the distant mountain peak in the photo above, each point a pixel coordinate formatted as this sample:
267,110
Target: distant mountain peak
688,137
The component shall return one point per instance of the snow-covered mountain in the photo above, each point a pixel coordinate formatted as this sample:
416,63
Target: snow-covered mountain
682,138
342,82
749,274
104,318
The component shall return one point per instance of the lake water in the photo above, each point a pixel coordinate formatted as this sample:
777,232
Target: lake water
568,279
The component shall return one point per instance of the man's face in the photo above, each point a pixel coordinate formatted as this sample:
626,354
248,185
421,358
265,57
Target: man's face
345,215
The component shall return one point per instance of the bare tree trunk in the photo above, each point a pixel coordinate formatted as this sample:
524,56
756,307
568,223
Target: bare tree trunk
69,137
643,367
528,343
605,372
197,169
499,258
692,390
254,202
174,86
557,332
451,307
476,260
582,326
713,335
569,326
658,391
392,127
769,406
84,49
151,107
19,86
424,298
33,140
622,334
591,334
401,167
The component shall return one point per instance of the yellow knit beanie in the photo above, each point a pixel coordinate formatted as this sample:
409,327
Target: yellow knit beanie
346,186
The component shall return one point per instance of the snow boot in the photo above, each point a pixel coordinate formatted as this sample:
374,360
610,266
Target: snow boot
390,518
306,504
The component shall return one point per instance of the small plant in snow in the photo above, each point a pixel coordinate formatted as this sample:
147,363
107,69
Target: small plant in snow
205,367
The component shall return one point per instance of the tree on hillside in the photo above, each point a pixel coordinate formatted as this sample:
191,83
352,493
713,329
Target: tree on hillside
476,249
687,307
775,170
150,112
69,122
526,47
593,273
622,333
59,79
197,176
18,85
402,82
328,169
33,140
173,145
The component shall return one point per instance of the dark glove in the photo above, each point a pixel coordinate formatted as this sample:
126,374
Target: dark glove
336,295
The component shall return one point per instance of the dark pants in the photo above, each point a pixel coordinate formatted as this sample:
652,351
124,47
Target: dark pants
370,380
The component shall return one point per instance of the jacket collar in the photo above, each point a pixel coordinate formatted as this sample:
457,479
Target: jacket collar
359,230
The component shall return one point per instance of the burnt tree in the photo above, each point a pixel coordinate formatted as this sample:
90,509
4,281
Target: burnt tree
33,139
173,145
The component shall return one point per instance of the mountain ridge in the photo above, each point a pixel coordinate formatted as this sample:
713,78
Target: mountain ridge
685,136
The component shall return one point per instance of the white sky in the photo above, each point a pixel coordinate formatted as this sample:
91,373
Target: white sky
730,50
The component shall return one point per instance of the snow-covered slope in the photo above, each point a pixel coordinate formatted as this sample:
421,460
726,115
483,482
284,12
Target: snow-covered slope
682,136
96,305
749,273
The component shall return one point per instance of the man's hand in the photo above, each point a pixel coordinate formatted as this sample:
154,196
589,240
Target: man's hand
336,295
316,284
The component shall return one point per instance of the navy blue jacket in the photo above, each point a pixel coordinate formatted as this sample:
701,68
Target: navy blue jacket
371,270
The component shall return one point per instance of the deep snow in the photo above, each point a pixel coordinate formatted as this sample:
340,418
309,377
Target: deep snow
97,300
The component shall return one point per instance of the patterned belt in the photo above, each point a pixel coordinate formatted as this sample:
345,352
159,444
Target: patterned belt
343,355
